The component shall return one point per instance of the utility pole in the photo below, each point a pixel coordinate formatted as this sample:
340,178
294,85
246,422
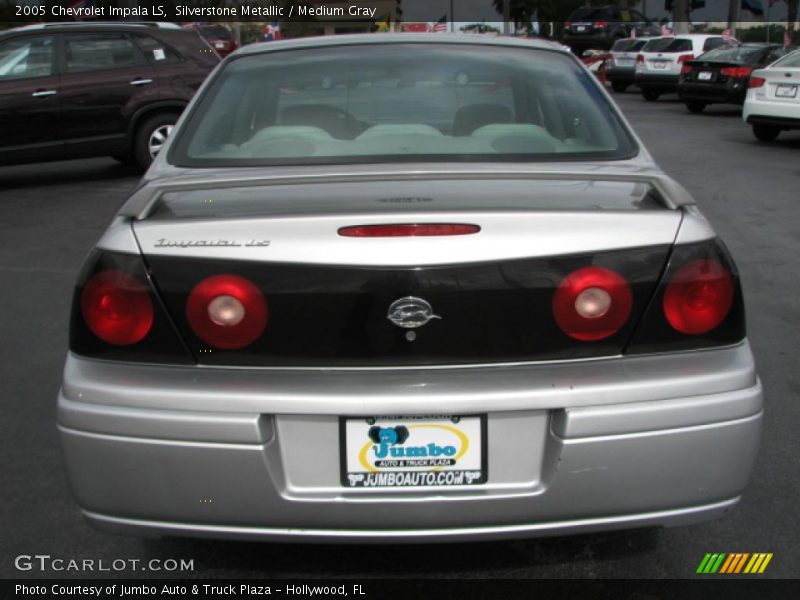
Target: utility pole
680,16
767,19
733,15
506,17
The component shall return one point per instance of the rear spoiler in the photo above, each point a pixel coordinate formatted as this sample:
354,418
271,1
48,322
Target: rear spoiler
145,198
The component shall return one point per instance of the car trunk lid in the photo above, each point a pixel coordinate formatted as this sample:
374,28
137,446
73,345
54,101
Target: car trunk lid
716,71
783,85
330,295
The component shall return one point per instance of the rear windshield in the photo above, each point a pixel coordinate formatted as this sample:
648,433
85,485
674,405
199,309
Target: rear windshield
589,14
744,54
401,102
668,45
626,45
217,32
792,60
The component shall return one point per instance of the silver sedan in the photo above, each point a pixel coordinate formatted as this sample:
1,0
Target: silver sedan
405,288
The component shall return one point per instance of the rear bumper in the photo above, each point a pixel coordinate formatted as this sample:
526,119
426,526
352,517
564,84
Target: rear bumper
573,447
764,111
671,518
730,93
782,122
620,74
665,83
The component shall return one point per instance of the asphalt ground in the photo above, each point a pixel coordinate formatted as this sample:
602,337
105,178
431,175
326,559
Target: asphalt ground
51,215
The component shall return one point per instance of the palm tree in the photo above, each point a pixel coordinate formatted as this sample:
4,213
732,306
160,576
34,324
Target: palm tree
549,10
791,15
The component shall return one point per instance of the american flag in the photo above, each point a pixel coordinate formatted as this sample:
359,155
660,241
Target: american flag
440,26
272,31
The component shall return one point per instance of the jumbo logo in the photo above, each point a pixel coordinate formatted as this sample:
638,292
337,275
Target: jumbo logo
387,447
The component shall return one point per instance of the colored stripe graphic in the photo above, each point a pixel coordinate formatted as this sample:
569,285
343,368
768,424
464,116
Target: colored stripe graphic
711,563
703,563
733,563
758,563
727,565
741,562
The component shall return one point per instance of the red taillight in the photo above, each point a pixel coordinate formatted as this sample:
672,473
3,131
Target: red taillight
408,230
117,308
683,58
227,311
756,82
592,303
567,25
600,24
640,58
698,297
737,72
685,69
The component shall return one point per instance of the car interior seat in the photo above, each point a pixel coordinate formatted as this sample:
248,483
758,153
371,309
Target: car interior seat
471,117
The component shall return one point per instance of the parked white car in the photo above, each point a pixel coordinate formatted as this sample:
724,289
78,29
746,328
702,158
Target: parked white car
658,64
773,101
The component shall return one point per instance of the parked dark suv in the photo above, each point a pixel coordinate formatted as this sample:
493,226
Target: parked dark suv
72,90
601,27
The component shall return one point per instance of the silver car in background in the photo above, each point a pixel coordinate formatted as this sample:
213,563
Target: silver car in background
405,288
621,62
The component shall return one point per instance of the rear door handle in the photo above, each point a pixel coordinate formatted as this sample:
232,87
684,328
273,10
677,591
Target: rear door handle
43,93
141,81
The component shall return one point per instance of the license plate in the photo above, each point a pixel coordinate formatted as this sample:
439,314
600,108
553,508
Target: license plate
580,28
623,62
219,45
659,64
426,451
786,90
704,75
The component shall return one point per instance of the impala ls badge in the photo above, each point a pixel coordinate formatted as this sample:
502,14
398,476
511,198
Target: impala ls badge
410,312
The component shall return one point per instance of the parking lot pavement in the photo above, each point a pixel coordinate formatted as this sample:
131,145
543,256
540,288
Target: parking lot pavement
50,215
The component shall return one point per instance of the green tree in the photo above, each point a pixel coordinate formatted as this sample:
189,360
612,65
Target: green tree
480,28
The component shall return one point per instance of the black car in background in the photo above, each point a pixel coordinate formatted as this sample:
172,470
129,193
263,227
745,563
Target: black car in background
601,27
722,76
73,90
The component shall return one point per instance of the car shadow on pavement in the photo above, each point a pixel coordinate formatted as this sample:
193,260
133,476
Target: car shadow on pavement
507,559
65,172
719,110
